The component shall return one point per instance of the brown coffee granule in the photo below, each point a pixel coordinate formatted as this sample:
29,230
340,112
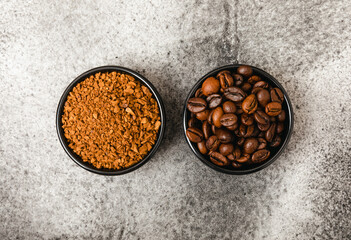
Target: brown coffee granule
111,120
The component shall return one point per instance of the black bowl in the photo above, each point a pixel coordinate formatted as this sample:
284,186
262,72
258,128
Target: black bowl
63,140
275,153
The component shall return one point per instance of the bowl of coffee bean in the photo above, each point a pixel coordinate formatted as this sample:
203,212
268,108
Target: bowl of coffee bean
237,119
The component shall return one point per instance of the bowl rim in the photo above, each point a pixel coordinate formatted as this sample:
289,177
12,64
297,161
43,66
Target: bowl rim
82,77
290,115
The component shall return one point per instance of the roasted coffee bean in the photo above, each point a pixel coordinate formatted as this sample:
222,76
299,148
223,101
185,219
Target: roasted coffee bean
219,159
247,119
193,122
254,79
277,95
230,157
246,87
260,156
194,135
234,94
261,117
212,143
255,132
250,145
225,79
209,118
280,127
238,79
276,141
273,109
239,110
261,134
256,90
236,153
263,97
199,93
210,86
240,141
202,116
272,119
213,129
216,117
229,107
214,100
250,104
202,147
226,148
281,116
236,165
262,143
261,84
246,71
224,135
246,131
244,158
233,127
206,129
263,127
196,105
271,132
228,119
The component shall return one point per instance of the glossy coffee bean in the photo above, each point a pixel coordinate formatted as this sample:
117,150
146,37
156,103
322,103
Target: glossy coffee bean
261,117
250,145
228,119
262,143
245,71
246,87
202,116
199,93
272,119
209,118
224,135
233,127
254,79
263,97
276,141
280,127
219,159
234,94
247,119
230,157
226,148
212,143
270,133
260,156
237,153
246,131
277,95
240,141
236,165
281,116
216,117
273,109
263,127
261,84
229,107
249,104
256,90
255,132
261,134
206,129
196,105
239,110
202,147
213,129
193,122
244,158
194,135
238,79
210,86
225,79
214,100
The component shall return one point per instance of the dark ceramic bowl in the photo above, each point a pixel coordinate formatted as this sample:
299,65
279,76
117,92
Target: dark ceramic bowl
275,152
63,140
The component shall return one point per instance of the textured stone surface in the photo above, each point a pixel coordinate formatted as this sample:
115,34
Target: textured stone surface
44,45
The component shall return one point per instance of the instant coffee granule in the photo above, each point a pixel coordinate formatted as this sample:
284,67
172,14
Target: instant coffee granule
111,120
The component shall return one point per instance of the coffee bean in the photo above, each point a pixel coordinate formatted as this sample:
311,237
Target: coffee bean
225,79
250,145
250,104
212,143
238,79
229,107
226,148
281,116
260,156
214,100
276,141
255,132
263,97
261,134
254,79
247,119
262,143
244,158
256,90
246,131
280,127
194,135
273,109
246,71
246,87
202,116
224,135
216,117
228,119
240,141
236,165
272,119
261,84
234,94
277,95
210,86
219,159
193,122
199,93
236,153
209,118
233,127
230,157
202,147
239,110
263,127
271,132
261,117
196,105
206,129
213,129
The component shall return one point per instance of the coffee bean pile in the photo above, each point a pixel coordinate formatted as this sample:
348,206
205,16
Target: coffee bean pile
236,118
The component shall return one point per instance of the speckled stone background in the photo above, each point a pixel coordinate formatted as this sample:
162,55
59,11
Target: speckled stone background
306,45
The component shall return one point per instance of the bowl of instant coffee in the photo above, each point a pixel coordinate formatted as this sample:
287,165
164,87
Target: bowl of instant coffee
110,120
237,119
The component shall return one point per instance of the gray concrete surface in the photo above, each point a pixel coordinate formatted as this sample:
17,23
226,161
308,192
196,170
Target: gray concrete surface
44,45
